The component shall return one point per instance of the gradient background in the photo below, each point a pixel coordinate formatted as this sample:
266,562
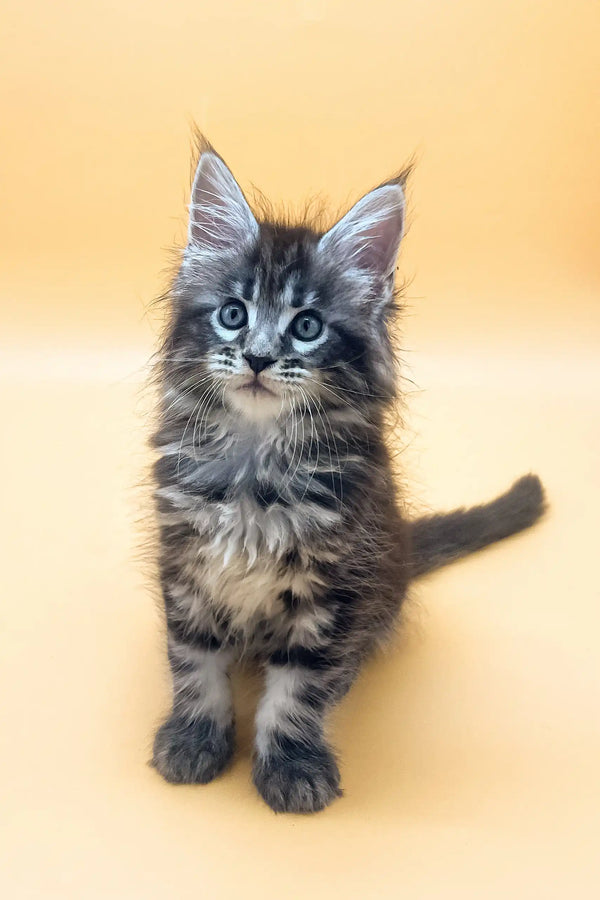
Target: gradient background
470,751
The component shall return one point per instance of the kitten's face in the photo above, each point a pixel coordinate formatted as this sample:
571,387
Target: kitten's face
268,345
275,318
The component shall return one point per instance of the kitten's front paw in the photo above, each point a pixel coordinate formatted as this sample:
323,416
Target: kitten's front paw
298,777
192,752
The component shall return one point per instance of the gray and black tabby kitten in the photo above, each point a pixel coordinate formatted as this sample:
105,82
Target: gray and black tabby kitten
281,536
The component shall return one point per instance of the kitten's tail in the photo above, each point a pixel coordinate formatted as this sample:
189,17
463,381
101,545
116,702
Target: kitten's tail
442,538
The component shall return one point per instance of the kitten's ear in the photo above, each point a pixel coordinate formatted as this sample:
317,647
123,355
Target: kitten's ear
368,236
220,218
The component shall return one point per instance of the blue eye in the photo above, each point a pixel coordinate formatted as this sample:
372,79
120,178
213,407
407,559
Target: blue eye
233,315
307,326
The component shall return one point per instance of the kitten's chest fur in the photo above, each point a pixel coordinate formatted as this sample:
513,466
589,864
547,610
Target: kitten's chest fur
258,530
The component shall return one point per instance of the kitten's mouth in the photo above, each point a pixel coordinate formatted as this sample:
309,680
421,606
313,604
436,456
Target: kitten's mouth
257,388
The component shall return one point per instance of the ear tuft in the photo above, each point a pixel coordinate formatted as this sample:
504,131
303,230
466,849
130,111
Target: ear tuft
368,236
220,217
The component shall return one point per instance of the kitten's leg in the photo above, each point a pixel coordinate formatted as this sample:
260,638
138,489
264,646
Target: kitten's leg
197,740
294,769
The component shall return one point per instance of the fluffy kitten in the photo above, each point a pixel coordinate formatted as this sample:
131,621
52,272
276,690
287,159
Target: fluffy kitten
281,536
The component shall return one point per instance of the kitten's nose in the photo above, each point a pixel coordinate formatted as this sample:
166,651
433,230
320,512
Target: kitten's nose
258,363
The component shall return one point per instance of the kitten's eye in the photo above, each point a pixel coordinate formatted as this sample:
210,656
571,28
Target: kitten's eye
307,326
233,315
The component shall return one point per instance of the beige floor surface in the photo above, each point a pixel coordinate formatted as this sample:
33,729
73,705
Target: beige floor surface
470,750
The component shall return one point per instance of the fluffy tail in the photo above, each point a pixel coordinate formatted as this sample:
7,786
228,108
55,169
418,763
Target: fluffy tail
445,537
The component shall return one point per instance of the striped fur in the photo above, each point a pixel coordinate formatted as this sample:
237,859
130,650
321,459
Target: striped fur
281,532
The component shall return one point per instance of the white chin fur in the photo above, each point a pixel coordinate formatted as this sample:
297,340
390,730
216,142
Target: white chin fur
254,407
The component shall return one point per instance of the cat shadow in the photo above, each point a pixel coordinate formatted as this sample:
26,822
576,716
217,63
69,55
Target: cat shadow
366,730
247,684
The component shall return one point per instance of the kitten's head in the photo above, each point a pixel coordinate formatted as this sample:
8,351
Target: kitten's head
272,317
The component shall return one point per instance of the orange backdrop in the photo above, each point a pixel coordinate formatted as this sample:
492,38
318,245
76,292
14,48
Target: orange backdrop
499,101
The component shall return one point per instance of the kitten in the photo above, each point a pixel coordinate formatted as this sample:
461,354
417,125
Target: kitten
281,536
